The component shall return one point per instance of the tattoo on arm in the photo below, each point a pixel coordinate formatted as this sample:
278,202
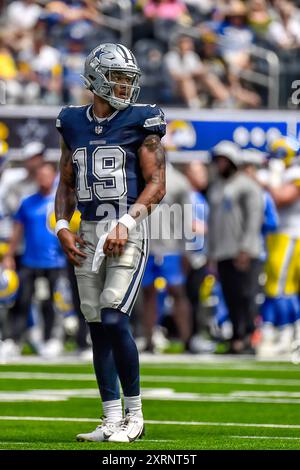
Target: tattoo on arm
65,200
154,146
152,161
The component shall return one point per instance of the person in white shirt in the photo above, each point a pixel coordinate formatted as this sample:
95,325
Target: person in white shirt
23,14
285,31
188,72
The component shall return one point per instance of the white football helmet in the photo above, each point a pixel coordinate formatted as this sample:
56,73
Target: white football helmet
101,67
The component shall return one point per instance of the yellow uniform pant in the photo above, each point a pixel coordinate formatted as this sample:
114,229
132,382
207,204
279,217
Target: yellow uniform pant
282,267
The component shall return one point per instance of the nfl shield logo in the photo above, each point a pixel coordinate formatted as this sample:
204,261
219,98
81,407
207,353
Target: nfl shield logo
98,129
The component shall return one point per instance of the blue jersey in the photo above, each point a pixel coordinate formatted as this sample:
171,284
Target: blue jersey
105,155
42,248
271,219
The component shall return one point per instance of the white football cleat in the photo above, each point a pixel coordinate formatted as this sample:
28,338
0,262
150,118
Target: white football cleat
295,357
284,340
52,348
131,429
101,433
9,350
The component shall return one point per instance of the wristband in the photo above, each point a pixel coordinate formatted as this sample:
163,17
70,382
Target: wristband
128,221
60,224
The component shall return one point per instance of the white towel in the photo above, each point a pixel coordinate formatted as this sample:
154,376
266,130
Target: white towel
99,255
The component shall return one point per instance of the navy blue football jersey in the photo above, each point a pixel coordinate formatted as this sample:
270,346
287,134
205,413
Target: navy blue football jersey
105,155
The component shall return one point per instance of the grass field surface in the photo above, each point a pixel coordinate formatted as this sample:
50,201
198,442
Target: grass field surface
188,405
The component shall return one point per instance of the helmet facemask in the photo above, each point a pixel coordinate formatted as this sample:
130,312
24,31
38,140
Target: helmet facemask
117,83
124,88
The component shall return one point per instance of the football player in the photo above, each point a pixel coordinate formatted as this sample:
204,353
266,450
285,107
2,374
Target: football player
281,307
113,167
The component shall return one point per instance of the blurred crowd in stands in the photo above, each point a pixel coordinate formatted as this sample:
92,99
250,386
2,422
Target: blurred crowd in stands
195,53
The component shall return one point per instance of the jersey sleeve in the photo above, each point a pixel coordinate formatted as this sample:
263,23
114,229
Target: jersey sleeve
62,125
153,121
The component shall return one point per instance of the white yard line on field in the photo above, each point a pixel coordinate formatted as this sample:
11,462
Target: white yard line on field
151,378
48,376
197,361
159,393
31,442
14,443
217,380
169,423
225,366
266,437
284,366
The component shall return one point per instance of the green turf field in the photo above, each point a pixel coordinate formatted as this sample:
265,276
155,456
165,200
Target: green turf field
230,404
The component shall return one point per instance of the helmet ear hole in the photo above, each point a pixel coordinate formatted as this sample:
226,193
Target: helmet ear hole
105,89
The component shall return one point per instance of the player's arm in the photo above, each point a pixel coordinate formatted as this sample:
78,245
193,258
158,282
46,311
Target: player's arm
153,166
65,204
285,195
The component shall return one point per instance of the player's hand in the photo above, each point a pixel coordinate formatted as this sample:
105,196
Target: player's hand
116,241
242,261
68,242
9,262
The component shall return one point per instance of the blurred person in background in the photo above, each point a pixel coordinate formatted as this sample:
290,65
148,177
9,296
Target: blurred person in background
259,17
71,11
17,183
73,61
42,258
41,66
79,19
8,278
235,220
196,172
23,14
204,8
281,309
174,10
4,223
235,37
189,74
240,96
253,162
166,261
18,89
159,19
9,72
284,31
